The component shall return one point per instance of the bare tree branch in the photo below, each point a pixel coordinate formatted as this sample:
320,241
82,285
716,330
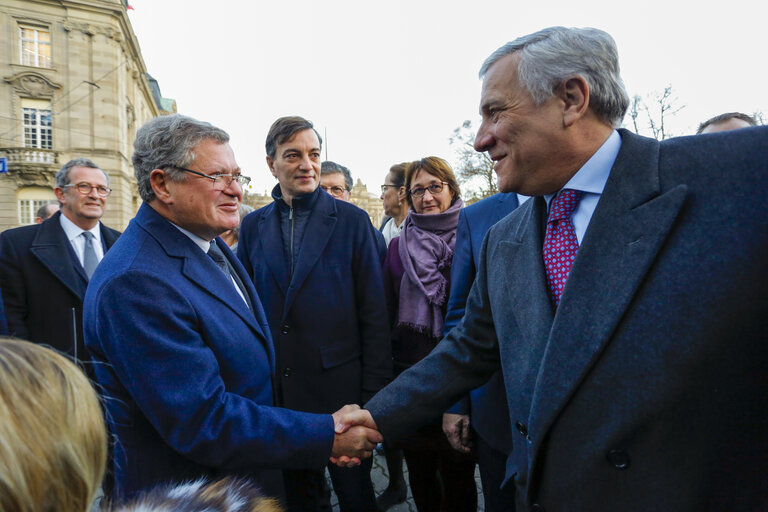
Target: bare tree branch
475,170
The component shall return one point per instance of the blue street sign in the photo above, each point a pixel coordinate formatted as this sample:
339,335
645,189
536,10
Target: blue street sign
3,165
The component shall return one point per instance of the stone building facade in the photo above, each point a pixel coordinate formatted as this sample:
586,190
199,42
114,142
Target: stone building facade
74,84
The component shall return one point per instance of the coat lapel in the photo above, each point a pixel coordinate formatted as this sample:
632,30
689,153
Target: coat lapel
320,226
269,229
52,248
528,293
197,266
626,232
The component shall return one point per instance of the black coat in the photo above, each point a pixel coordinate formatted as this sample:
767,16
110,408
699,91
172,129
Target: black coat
43,285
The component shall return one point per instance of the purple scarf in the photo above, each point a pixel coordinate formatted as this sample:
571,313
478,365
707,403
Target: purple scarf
426,251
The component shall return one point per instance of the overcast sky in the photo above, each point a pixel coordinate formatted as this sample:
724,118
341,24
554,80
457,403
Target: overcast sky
386,82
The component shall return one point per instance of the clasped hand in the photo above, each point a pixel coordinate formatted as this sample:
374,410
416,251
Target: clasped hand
356,435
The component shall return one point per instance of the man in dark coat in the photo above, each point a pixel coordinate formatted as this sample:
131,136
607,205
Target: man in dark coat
44,268
626,303
315,264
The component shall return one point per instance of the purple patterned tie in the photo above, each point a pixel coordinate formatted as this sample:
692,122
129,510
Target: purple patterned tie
560,242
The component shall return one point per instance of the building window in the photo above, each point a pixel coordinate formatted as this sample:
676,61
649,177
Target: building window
28,209
35,44
30,199
38,124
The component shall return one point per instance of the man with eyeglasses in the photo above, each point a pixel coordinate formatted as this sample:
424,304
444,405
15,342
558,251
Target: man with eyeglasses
337,181
45,268
315,263
184,353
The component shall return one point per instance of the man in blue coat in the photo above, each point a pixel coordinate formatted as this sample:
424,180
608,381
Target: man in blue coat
180,342
627,310
314,261
485,410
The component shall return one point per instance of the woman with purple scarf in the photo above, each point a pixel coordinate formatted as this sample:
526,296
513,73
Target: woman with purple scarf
417,281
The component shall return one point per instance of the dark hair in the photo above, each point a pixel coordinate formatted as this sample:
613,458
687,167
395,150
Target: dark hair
329,167
285,128
398,173
727,117
435,166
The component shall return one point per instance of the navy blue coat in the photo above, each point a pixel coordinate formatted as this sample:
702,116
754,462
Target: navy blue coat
42,283
648,389
3,322
329,322
187,367
487,405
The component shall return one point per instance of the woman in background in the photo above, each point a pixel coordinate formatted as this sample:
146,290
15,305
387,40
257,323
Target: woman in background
393,198
417,282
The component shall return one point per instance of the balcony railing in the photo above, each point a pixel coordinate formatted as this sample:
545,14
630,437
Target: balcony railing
18,156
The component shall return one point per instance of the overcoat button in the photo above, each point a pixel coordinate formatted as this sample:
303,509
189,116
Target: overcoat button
287,372
618,459
285,329
522,428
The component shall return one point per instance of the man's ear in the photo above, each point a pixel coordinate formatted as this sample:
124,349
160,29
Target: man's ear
159,182
401,194
271,164
575,96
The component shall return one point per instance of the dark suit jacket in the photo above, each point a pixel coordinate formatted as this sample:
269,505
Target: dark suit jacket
329,322
42,281
487,405
648,389
187,367
3,322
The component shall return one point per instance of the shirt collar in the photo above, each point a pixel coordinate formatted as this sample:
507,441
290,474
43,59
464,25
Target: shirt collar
593,175
202,243
73,231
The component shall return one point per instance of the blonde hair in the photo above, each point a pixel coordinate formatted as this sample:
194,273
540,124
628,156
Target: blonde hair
53,442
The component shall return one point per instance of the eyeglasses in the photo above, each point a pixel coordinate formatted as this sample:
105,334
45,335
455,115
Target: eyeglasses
385,186
434,189
85,189
220,181
336,191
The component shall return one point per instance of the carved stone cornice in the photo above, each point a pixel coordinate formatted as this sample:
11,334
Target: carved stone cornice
32,84
93,29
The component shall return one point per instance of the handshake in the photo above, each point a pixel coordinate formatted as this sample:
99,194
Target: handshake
356,435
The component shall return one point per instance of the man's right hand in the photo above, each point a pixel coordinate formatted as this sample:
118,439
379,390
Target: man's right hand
355,436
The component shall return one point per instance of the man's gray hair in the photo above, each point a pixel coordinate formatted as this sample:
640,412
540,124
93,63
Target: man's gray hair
42,212
167,141
549,57
62,177
244,210
329,167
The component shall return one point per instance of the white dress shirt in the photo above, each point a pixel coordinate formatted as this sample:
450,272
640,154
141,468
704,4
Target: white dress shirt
74,234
